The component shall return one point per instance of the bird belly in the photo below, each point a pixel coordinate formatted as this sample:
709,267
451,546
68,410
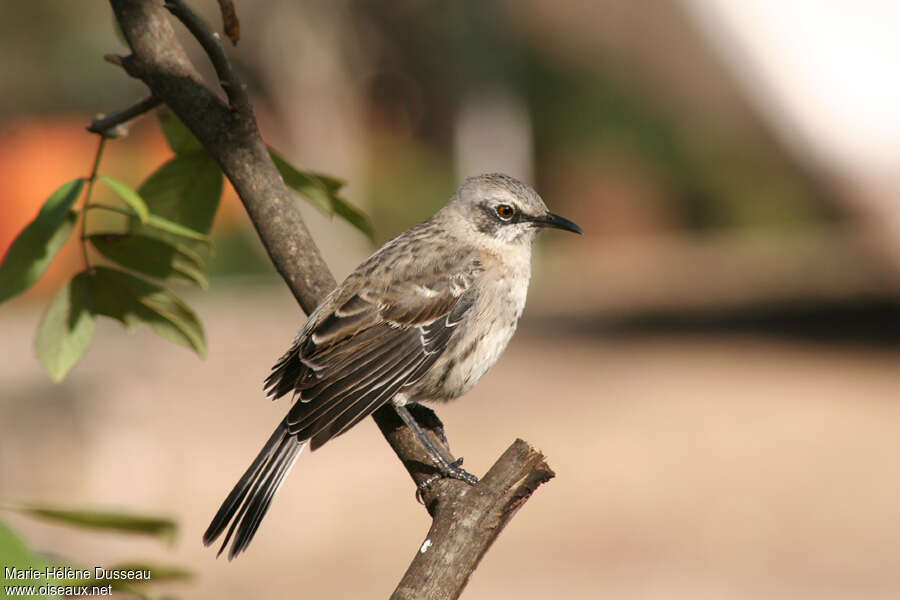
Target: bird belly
468,372
478,342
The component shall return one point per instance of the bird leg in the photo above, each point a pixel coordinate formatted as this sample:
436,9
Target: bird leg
446,468
428,420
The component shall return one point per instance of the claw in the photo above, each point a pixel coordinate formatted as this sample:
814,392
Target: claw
445,468
453,471
422,487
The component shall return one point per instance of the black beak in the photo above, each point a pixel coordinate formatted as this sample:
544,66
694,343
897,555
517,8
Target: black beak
557,222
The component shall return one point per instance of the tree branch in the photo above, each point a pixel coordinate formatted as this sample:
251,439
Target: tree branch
232,138
209,40
466,522
466,519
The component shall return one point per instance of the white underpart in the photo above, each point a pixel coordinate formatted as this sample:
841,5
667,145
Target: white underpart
504,296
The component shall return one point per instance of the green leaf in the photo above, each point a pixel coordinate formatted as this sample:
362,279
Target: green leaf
185,191
354,216
132,300
321,191
159,527
332,184
66,329
14,554
128,195
33,250
161,224
305,183
179,137
151,256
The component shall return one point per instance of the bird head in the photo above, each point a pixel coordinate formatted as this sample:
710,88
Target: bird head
503,210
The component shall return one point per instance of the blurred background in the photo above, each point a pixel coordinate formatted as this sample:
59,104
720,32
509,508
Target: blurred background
712,370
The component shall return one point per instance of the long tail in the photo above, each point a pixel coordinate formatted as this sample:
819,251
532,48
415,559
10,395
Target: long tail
248,502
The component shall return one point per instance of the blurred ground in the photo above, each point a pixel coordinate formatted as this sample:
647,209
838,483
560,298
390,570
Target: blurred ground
688,466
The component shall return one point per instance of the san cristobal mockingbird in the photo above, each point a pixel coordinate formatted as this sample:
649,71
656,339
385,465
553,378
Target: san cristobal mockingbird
421,319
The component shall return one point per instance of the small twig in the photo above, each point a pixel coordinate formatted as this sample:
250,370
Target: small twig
114,59
87,200
105,126
228,78
230,22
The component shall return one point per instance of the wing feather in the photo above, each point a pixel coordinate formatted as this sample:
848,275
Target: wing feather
353,383
434,336
352,359
365,401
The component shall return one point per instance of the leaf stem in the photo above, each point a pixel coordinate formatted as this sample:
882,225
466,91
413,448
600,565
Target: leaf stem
87,200
115,209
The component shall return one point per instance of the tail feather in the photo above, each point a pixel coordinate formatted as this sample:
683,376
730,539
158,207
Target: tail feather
251,497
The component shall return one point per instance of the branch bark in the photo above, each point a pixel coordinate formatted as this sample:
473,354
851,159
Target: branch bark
109,125
466,520
232,138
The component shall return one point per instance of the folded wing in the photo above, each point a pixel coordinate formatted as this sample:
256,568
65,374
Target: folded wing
372,345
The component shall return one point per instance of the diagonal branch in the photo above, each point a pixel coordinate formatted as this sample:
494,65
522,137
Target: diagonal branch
457,540
232,138
230,134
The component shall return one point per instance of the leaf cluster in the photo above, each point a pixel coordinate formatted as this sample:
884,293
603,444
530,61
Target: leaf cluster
164,240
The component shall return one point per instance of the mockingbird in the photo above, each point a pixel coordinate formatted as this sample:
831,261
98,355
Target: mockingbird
422,319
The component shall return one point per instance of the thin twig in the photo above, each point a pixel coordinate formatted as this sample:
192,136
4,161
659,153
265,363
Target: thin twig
106,125
228,78
230,22
114,59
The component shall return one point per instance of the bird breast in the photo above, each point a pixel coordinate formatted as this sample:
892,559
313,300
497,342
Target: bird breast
482,336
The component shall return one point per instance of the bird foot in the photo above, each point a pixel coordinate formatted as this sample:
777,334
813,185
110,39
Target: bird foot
452,470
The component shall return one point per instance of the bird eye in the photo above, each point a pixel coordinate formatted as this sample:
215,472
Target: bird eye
505,211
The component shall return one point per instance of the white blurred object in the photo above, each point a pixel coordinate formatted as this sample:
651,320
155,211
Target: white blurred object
493,134
824,72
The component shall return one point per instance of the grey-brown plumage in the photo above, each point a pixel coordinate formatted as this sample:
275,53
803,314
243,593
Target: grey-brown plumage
422,319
